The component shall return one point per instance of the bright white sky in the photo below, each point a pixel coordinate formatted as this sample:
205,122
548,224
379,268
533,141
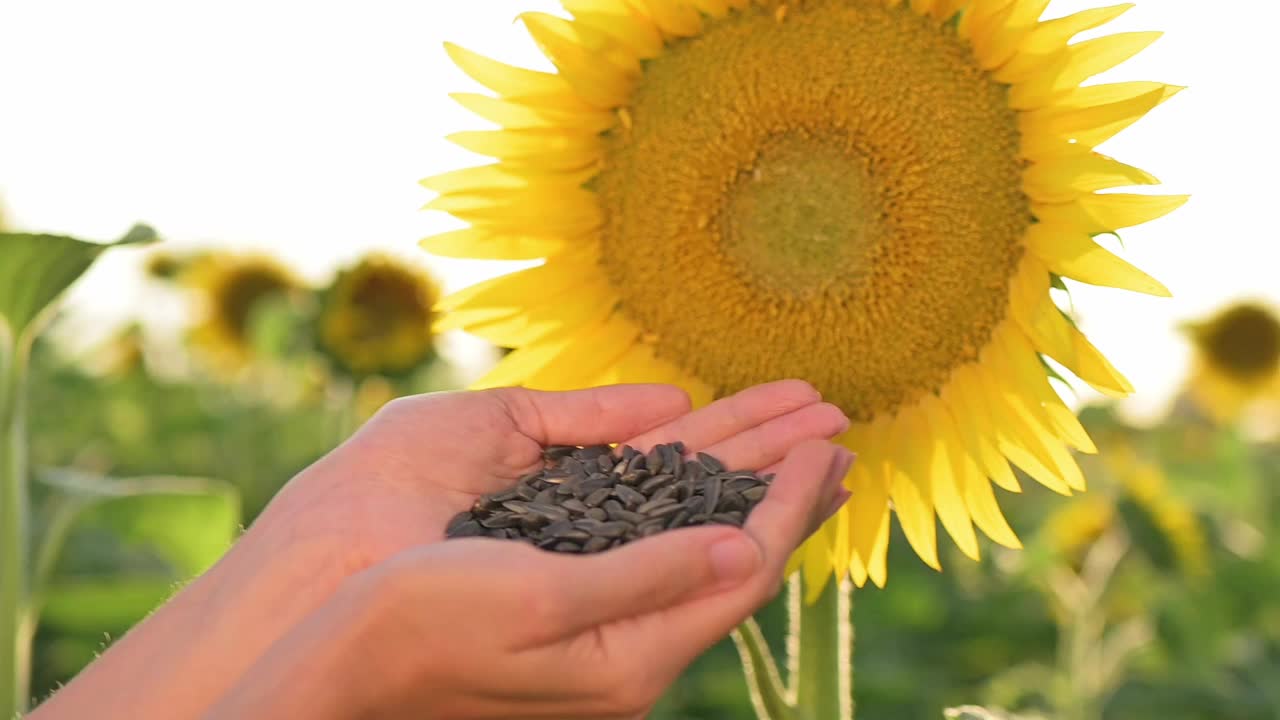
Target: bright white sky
302,127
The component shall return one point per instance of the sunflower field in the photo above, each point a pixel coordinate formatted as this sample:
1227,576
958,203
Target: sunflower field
898,201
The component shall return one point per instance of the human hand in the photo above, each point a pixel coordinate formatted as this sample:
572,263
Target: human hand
482,628
421,460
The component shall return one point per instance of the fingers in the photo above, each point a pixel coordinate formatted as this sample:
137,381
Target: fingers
645,577
596,415
730,416
808,481
769,442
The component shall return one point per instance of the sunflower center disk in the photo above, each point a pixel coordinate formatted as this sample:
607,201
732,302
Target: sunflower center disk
835,197
1245,341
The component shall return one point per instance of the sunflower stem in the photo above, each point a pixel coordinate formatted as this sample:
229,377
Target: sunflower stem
769,698
15,632
822,666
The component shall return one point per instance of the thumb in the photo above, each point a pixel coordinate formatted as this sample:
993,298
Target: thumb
656,573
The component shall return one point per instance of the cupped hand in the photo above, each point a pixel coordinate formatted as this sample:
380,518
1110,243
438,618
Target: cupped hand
483,628
397,482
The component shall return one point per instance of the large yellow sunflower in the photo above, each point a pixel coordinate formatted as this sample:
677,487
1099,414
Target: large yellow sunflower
230,288
871,195
376,318
1237,360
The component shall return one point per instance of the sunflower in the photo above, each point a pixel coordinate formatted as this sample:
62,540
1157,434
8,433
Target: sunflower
376,318
231,288
1237,360
873,195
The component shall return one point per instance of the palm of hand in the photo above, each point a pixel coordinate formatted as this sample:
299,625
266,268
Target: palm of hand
400,479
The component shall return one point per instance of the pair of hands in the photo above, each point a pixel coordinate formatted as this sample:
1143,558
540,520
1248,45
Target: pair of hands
342,601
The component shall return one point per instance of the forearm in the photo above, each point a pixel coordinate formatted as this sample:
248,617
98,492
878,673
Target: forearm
178,661
318,671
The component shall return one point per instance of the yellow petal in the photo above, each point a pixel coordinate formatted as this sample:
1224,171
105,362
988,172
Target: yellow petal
478,244
460,319
878,568
1066,178
944,10
1016,439
1048,41
909,486
515,114
676,18
944,482
510,81
580,307
620,20
973,421
1078,63
515,289
982,505
598,68
869,486
520,364
1073,254
534,147
1043,131
1023,364
998,41
817,564
586,355
544,208
1093,214
1107,93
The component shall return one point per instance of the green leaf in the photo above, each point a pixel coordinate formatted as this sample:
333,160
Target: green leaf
186,523
36,269
103,605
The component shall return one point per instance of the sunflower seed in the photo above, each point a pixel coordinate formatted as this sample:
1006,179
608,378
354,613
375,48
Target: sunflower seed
655,482
613,529
711,464
589,499
730,502
470,528
650,507
597,497
500,520
710,494
629,497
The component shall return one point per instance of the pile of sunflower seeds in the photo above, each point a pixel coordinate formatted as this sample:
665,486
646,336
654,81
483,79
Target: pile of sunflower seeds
590,499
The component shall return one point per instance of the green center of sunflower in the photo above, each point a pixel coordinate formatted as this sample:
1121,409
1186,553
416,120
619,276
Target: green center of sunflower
1244,341
836,196
804,205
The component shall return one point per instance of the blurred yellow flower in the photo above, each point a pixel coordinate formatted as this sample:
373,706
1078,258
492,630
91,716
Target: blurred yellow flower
230,288
376,318
1165,525
872,195
1237,360
1074,528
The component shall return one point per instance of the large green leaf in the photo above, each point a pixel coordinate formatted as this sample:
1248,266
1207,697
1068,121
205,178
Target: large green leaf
178,525
36,269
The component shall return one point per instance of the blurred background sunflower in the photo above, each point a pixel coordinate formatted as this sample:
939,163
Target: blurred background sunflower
376,318
1237,360
231,292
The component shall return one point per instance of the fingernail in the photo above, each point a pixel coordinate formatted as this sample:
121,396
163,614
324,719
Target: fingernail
842,496
734,559
840,465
